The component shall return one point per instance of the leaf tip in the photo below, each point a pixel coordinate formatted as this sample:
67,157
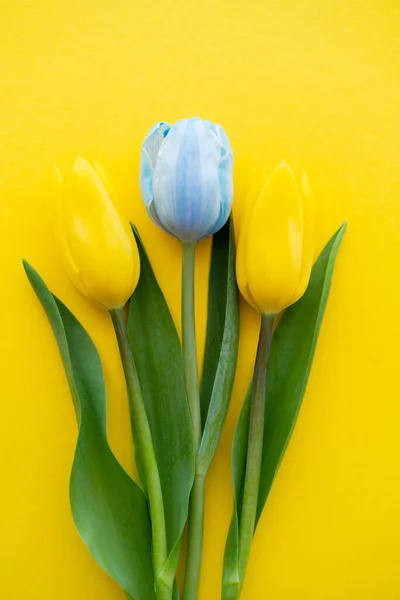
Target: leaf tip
134,229
341,230
27,267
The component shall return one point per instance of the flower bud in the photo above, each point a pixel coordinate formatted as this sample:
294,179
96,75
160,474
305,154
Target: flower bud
99,250
276,240
186,177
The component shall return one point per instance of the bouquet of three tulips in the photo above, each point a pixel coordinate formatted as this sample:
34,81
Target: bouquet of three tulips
134,529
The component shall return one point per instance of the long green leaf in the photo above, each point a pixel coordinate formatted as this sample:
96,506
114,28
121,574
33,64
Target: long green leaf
230,577
222,339
292,352
158,356
290,365
108,508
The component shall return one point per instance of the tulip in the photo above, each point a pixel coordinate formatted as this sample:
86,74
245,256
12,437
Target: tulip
187,188
273,266
275,246
98,249
186,177
102,261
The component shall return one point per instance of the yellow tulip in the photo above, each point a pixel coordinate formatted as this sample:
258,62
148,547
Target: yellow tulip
98,248
276,239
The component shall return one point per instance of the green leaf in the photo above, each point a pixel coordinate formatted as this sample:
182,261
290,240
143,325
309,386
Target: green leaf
108,508
292,351
222,340
231,578
158,357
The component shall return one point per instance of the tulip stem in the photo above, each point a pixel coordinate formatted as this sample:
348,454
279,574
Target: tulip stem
196,504
145,442
189,339
255,445
194,539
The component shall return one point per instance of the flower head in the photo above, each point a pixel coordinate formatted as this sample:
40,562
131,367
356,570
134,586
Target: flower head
186,177
276,244
99,251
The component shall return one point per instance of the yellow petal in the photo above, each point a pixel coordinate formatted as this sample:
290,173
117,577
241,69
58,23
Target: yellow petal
68,261
243,176
275,242
102,174
308,239
102,247
259,179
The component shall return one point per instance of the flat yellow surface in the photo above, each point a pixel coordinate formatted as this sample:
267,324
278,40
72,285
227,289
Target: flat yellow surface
313,81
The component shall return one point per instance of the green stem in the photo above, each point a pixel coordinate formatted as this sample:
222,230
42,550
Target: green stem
145,442
189,339
196,504
195,539
255,445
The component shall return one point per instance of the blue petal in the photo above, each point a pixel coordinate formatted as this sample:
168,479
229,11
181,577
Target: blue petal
186,177
186,180
148,156
225,177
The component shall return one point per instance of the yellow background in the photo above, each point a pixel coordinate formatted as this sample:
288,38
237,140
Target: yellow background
313,81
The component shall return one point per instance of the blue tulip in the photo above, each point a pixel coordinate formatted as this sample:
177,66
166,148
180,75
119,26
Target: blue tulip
186,177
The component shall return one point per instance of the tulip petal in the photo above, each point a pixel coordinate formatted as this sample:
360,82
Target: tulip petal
155,218
259,179
186,180
274,246
224,175
102,174
100,243
148,156
154,140
67,258
308,240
